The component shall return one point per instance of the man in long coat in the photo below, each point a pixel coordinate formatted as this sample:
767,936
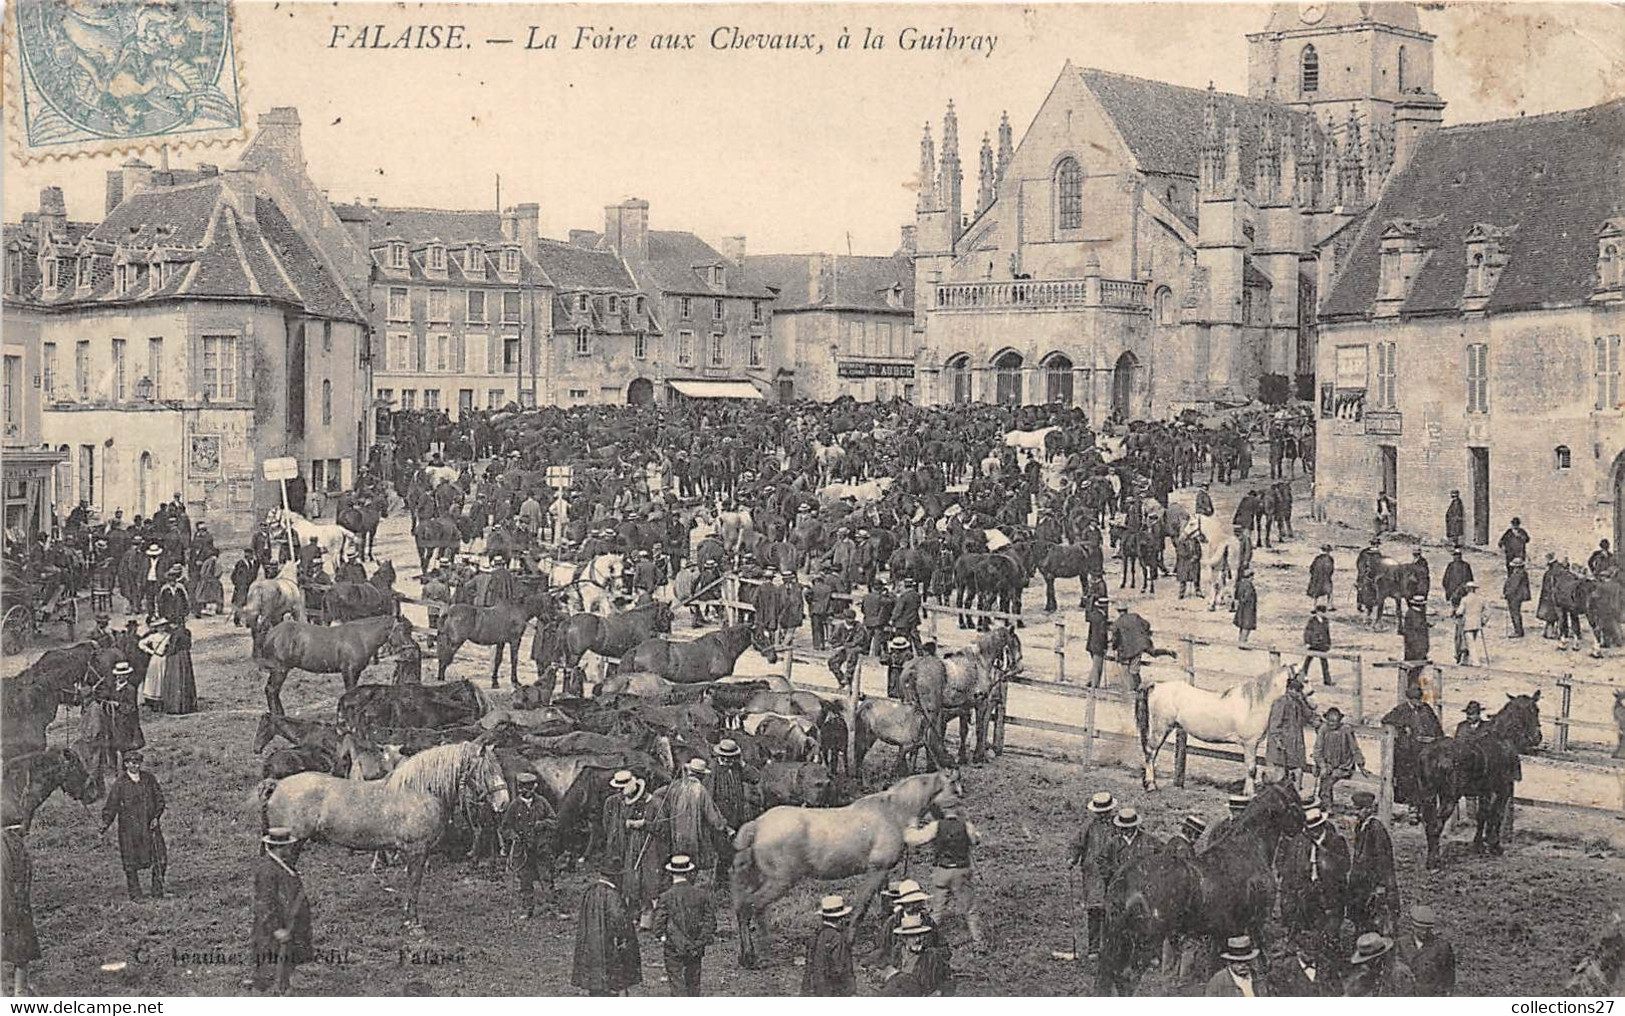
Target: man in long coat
137,802
792,610
1515,591
1088,847
1456,575
528,824
1455,519
1514,541
726,783
1289,714
19,946
1321,570
685,923
642,870
281,936
685,817
1373,882
607,960
828,970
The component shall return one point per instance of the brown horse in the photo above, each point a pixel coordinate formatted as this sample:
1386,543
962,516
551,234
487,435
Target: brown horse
967,684
61,677
707,658
299,733
321,649
361,517
502,625
28,780
613,636
349,601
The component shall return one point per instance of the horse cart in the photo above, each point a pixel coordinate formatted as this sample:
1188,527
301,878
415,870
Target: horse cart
23,615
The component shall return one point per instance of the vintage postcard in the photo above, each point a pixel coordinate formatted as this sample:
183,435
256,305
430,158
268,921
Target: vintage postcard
898,499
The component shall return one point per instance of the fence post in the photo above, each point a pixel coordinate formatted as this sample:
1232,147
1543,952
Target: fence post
1060,650
853,697
1359,689
1089,726
730,594
998,727
1386,808
1275,659
1565,683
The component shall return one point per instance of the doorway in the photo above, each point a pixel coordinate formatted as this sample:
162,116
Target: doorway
1124,378
1008,368
641,392
1478,462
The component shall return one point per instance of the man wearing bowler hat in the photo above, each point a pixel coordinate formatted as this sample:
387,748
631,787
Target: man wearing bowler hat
1474,724
685,923
528,825
281,933
1378,971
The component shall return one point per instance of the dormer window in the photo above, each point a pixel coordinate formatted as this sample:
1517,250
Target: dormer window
86,263
437,257
582,302
614,304
397,255
639,305
14,272
1402,254
510,260
756,312
1611,255
1486,256
474,260
716,275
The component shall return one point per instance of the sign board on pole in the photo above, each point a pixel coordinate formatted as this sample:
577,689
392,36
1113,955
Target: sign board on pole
280,469
559,477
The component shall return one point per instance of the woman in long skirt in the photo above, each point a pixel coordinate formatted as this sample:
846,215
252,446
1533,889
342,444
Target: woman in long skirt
180,683
208,590
155,644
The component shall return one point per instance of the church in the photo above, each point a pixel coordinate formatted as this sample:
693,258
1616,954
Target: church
1147,247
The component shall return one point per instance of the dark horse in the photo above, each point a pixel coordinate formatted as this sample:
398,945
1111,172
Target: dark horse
502,625
375,597
707,658
613,636
1227,890
325,649
360,516
994,580
1082,561
437,539
61,677
28,780
1386,580
1484,766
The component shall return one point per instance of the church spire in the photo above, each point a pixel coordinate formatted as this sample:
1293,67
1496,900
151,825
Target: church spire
1007,146
1232,153
951,179
1212,144
985,179
928,199
1351,169
1267,162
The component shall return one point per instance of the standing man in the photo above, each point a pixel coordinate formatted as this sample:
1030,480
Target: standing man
528,825
1099,631
1413,630
1470,613
1337,757
767,601
136,801
607,961
1474,724
953,872
1204,500
152,582
1515,541
1429,955
1365,566
1317,638
685,818
843,555
876,612
899,651
1247,513
1235,804
1456,575
1289,714
828,970
1373,884
905,611
281,933
819,601
1321,570
1246,605
1131,640
1455,520
1515,591
792,609
727,786
1088,848
685,923
1602,562
1128,843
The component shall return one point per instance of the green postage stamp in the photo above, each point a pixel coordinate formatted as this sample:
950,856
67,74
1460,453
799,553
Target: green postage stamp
91,76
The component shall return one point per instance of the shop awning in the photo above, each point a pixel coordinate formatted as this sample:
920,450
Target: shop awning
716,389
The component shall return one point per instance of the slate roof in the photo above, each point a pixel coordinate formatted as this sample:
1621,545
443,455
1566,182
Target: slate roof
1555,178
574,267
676,261
1164,125
215,252
417,268
846,282
421,224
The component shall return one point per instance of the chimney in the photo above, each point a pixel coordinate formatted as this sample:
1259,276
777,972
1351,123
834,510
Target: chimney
909,241
279,135
208,169
528,227
626,229
115,190
733,248
372,202
1416,115
135,175
585,237
508,223
53,212
239,190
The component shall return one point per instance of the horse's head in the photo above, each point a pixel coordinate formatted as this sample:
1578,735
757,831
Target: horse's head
763,644
663,616
486,776
1275,812
400,633
76,780
384,577
1519,721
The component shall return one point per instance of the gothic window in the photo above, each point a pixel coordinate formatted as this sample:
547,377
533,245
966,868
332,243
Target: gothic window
1165,306
1069,194
959,378
1309,70
1058,379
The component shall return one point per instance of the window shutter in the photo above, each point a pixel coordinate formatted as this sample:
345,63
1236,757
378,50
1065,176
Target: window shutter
459,352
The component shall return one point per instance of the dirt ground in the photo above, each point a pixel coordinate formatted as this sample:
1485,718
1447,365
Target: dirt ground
1539,904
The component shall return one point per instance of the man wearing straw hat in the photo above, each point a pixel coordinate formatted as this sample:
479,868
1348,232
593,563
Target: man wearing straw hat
1428,954
684,816
137,802
920,968
281,932
528,824
828,971
1089,848
685,923
1236,979
1378,972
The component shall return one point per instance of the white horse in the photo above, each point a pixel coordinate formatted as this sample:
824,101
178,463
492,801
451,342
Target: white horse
1220,553
1239,715
592,584
1111,447
331,537
828,456
868,490
1031,440
440,474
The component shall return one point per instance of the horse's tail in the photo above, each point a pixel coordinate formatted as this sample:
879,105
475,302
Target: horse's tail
263,793
746,876
1142,719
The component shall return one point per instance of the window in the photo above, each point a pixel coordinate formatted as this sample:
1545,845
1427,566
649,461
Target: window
85,265
1399,75
639,305
510,307
119,370
121,278
1607,371
431,399
397,352
1069,194
399,308
48,381
716,310
578,393
640,346
614,304
1387,394
581,303
583,343
1478,378
56,269
13,389
687,307
437,258
155,366
510,260
476,306
386,395
1309,70
87,473
474,260
439,305
510,356
327,336
717,275
685,347
756,350
1564,459
220,368
756,312
14,272
1610,268
1165,306
397,255
493,398
442,354
959,378
717,358
409,398
81,369
327,403
882,391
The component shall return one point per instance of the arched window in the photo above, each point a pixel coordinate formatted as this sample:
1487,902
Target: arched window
959,378
1058,379
1007,391
1564,459
327,403
1069,194
1309,70
1165,306
1400,77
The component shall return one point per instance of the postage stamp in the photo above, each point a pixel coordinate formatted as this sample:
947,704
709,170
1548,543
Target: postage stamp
92,76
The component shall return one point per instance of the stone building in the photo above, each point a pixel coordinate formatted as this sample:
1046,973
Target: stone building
461,314
606,338
844,324
1148,247
203,326
1470,336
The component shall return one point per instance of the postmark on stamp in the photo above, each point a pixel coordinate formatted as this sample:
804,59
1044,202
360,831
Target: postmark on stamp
94,76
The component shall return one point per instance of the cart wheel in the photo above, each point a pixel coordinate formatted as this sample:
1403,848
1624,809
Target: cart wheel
14,629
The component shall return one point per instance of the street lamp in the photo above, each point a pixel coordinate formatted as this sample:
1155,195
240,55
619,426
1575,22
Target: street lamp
143,389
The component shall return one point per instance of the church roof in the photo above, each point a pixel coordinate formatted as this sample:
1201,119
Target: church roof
1164,125
1289,17
1555,178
